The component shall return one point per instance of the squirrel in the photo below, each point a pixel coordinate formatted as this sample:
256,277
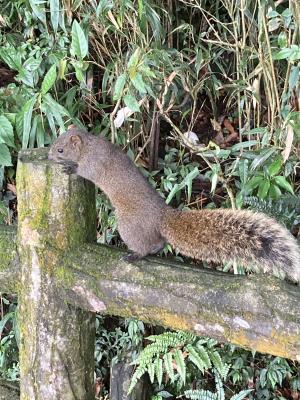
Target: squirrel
146,223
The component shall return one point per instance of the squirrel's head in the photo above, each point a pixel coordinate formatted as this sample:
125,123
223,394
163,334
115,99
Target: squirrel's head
68,146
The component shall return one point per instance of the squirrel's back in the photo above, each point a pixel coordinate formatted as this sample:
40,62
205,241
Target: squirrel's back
251,239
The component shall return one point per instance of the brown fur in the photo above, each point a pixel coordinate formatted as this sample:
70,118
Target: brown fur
146,223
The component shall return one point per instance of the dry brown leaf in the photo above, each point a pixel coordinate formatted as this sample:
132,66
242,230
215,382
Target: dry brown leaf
171,77
288,143
113,20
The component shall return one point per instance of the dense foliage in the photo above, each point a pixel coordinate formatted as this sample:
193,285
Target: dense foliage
204,96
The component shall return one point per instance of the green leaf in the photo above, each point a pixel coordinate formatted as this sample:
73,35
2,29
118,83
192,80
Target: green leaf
275,167
159,370
62,68
274,191
5,157
54,13
263,189
204,355
32,135
151,372
282,40
241,395
217,362
195,357
294,77
5,319
168,363
214,181
79,74
289,53
119,86
131,102
27,110
253,183
133,63
11,57
180,364
49,80
55,106
283,183
40,132
139,84
56,111
6,132
262,157
243,145
38,9
79,45
103,7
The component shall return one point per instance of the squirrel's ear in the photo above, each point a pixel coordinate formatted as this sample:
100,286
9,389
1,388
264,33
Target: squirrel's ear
76,140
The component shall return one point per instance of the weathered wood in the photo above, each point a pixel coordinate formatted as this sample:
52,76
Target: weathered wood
56,212
9,259
259,312
120,378
120,375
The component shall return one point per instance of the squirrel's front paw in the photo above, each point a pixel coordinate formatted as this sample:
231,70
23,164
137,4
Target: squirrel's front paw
69,167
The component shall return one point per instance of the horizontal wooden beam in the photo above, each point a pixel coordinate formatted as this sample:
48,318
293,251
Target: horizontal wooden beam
258,312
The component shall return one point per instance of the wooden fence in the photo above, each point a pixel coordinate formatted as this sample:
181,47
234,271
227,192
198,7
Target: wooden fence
63,278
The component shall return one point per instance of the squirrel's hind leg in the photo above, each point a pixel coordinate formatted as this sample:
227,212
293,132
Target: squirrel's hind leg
131,257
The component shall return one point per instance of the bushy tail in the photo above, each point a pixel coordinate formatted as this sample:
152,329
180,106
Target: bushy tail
252,239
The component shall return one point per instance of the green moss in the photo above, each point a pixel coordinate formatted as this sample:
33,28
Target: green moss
8,246
64,276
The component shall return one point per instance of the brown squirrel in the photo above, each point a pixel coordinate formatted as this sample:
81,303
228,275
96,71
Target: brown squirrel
146,223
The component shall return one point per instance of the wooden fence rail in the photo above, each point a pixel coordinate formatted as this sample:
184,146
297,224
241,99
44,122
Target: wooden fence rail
62,279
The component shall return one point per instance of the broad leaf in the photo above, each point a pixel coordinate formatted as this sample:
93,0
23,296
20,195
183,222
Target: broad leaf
6,132
290,53
131,103
27,110
49,79
79,45
275,167
119,86
263,189
139,83
5,157
283,183
54,13
180,364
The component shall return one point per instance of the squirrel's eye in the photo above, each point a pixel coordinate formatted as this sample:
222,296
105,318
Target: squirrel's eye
60,150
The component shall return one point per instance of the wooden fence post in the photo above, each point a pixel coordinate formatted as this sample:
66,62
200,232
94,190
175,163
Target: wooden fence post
56,214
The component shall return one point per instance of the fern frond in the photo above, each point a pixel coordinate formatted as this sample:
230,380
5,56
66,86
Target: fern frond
241,395
200,395
168,364
286,209
180,364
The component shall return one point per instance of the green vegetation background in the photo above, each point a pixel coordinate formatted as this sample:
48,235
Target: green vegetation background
204,96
